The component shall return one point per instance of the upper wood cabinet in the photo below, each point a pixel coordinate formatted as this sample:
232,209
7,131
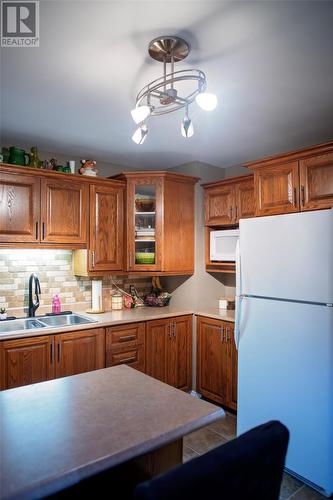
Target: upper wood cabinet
316,181
293,182
63,211
42,209
228,201
169,351
277,189
19,208
216,361
160,222
26,361
106,227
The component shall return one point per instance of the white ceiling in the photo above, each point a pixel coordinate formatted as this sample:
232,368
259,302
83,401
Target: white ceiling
269,62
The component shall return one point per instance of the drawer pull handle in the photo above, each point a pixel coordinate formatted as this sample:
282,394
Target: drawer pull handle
126,338
128,360
37,232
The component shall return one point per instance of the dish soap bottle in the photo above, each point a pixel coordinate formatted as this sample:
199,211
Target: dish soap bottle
56,304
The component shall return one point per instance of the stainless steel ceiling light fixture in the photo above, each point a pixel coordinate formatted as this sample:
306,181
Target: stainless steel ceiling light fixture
173,90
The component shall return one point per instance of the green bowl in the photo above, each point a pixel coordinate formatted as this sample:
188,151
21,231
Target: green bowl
144,257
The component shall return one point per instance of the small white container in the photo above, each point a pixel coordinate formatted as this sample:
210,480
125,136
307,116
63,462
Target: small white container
223,303
71,164
116,301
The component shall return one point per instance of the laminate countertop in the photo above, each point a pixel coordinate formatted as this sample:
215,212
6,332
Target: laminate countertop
124,316
59,432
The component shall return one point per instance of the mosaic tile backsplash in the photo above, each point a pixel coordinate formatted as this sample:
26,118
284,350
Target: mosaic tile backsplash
55,272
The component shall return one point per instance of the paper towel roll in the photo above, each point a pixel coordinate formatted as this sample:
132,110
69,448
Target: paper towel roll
96,295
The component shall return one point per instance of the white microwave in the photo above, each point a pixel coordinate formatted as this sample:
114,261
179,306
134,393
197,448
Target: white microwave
223,245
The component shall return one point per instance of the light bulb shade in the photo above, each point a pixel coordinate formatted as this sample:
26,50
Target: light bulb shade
206,101
140,134
187,129
140,113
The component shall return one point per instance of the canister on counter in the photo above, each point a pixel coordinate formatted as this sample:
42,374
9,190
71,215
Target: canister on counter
116,301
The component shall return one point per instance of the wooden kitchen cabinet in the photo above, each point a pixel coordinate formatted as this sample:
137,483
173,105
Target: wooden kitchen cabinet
228,200
106,227
216,361
160,222
277,189
63,211
169,351
43,208
293,182
19,208
79,352
125,344
26,361
316,181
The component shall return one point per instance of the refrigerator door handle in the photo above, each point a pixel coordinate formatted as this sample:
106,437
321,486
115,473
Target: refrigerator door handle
238,271
238,307
238,298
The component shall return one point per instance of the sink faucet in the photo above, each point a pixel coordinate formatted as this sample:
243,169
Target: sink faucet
33,305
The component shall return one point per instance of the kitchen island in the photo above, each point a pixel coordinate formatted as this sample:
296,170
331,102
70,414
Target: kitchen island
59,432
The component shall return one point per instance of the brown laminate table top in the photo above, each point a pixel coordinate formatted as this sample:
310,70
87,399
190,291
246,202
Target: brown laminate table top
55,433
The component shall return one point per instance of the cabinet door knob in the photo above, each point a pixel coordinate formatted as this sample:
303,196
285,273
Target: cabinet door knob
236,208
169,330
59,351
174,329
222,334
52,352
43,230
37,232
295,197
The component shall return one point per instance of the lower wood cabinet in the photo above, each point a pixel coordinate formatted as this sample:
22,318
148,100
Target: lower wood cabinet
79,352
125,344
26,361
161,348
169,351
217,361
36,359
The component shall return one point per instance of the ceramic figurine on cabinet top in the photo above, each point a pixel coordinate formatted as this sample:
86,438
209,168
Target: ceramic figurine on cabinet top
88,168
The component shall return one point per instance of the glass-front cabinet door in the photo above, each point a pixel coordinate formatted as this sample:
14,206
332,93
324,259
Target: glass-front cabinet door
144,224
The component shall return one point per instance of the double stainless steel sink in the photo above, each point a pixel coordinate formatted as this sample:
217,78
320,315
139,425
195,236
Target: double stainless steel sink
15,325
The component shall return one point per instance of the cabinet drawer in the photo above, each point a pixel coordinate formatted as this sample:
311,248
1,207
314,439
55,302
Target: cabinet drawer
125,335
134,357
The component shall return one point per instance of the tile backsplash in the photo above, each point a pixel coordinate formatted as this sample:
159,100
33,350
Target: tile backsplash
55,272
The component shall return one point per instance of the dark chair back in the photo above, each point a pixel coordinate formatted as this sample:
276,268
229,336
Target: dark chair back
249,467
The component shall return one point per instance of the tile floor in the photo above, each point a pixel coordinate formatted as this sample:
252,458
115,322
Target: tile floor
222,431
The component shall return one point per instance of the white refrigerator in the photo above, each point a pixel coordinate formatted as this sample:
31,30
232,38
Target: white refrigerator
284,334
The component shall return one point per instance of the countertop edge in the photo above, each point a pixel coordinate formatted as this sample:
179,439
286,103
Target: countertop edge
104,323
58,483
